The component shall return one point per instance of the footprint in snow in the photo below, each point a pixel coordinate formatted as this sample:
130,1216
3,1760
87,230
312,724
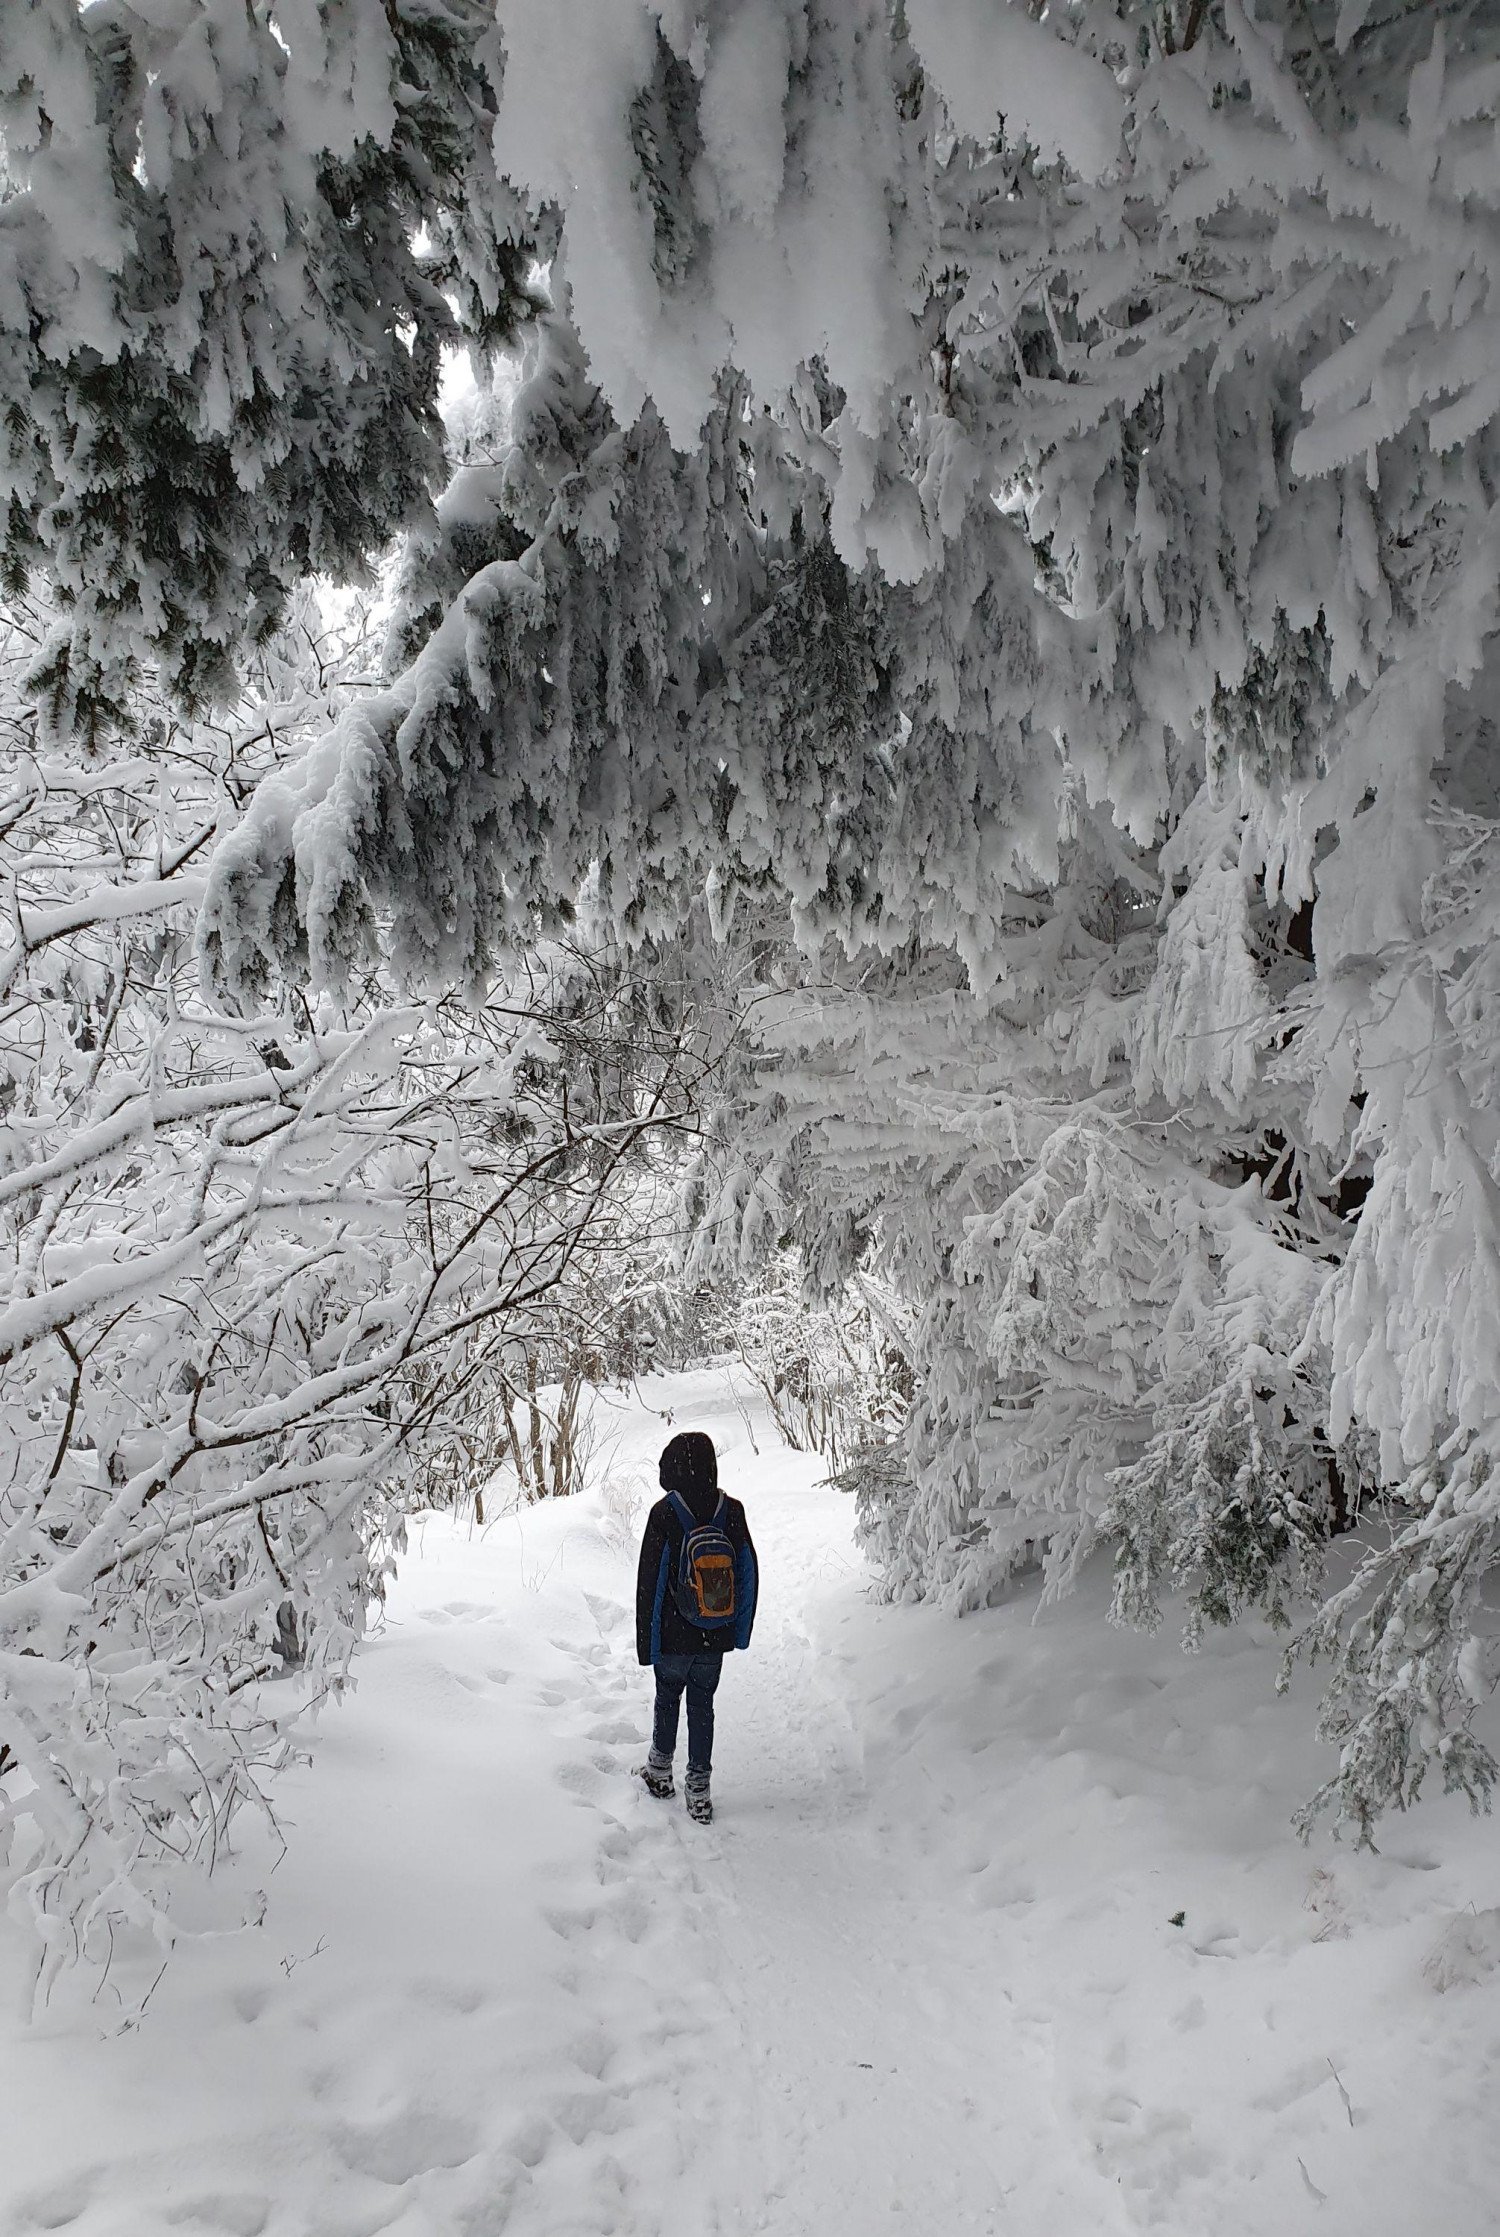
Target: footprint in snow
592,2052
529,2141
569,1924
631,1913
585,1780
406,2144
581,2117
235,2214
56,2207
452,1996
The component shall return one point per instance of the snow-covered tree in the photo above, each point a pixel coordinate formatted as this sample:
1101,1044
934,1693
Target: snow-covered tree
268,1280
234,240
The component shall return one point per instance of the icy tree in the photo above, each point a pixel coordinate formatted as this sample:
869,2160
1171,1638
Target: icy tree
1011,497
234,240
267,1280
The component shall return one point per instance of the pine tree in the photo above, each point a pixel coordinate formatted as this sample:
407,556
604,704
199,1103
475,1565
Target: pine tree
228,244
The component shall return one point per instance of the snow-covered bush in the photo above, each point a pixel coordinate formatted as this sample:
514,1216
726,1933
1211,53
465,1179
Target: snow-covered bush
1410,1669
1128,1307
835,1371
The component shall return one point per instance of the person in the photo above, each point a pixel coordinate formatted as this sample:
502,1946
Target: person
687,1654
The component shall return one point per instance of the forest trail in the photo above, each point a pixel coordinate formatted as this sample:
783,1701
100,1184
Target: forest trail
875,2046
999,1929
860,2065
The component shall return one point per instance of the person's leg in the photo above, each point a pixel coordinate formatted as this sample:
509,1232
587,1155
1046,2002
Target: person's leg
671,1676
703,1676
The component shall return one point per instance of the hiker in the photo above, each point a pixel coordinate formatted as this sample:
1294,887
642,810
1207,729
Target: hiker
694,1600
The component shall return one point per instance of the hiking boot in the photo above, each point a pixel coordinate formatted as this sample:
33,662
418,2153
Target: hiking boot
699,1807
656,1778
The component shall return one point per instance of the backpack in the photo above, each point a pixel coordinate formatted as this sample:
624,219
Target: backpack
706,1589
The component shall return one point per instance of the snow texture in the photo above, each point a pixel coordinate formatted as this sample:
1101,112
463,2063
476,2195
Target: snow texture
998,1928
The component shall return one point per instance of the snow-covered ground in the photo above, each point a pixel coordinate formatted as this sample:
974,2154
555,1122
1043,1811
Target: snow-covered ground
921,1976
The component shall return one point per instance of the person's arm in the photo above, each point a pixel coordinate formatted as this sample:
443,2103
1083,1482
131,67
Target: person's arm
746,1589
649,1585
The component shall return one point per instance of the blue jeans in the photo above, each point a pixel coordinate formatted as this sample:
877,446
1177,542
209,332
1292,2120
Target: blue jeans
699,1674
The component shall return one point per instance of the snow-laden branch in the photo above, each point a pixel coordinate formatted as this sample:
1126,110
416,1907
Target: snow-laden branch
263,1281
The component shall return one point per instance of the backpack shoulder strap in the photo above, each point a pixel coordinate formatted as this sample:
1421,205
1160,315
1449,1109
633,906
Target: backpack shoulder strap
682,1510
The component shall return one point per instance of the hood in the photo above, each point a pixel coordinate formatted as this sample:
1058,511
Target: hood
690,1467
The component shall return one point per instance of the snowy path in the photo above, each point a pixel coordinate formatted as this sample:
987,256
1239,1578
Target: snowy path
921,1976
890,2083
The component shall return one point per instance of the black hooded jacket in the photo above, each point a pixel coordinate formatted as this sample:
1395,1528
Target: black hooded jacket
690,1468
